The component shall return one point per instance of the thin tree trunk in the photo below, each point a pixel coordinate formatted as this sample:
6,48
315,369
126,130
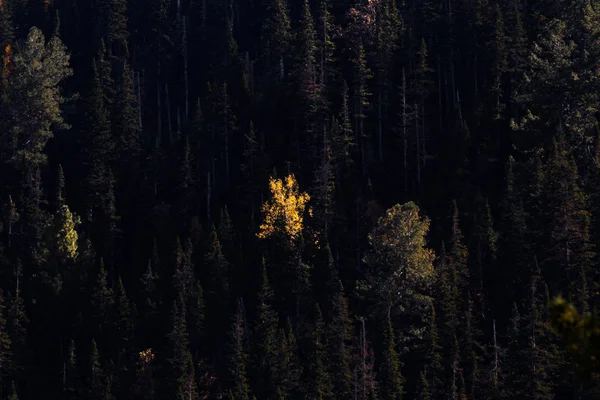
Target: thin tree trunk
208,193
417,131
139,101
404,133
185,69
169,113
380,124
439,70
158,114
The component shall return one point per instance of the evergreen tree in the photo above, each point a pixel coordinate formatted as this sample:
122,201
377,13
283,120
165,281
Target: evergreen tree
276,37
5,343
320,385
339,341
423,390
238,356
390,379
38,69
179,375
265,336
71,384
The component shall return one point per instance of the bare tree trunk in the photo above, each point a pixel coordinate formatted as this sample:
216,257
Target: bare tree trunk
404,133
185,69
380,123
459,110
169,113
158,114
208,193
363,339
439,70
418,134
139,101
424,135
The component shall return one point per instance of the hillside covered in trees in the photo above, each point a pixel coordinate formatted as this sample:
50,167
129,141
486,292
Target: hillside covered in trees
301,199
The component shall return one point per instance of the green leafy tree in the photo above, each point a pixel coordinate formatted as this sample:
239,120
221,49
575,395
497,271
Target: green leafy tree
399,261
38,69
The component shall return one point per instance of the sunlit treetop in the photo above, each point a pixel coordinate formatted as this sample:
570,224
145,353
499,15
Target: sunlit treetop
284,212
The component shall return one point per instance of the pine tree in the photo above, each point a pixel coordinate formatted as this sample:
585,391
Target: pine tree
238,356
265,332
286,371
499,65
277,37
101,302
218,269
123,329
320,386
96,141
326,29
196,322
38,69
71,384
97,382
360,97
306,73
179,375
458,253
433,357
339,341
5,343
388,26
126,126
17,324
113,24
13,395
448,299
514,369
398,257
390,378
423,389
471,351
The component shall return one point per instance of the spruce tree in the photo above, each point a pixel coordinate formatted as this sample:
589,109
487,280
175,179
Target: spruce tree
276,39
339,341
238,356
389,377
265,336
317,375
178,377
5,343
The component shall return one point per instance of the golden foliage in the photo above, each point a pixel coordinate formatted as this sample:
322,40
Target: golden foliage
146,356
284,212
66,233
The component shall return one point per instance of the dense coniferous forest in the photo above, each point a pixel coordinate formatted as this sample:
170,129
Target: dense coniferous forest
302,199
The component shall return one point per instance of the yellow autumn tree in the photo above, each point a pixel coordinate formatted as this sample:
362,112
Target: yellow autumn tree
284,212
65,233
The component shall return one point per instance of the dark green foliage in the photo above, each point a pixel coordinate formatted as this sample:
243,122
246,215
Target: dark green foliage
37,70
390,379
265,336
238,356
179,377
385,112
320,386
